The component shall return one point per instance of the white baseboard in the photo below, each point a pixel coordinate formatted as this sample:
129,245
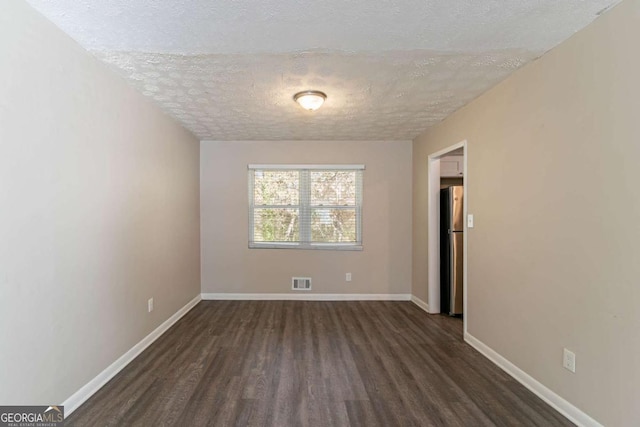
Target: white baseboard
574,414
420,303
80,396
305,296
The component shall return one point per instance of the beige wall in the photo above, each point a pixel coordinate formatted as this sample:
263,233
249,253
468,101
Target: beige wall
553,181
383,267
99,210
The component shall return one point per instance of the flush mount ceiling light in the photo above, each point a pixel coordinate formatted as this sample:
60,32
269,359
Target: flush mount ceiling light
310,99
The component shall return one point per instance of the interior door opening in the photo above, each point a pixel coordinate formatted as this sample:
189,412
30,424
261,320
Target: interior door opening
447,235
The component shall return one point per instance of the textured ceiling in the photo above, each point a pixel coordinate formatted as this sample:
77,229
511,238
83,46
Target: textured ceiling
228,70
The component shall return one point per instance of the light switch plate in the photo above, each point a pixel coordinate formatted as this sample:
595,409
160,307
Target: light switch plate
470,221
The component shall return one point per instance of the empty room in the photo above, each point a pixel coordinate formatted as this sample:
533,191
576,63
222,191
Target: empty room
286,213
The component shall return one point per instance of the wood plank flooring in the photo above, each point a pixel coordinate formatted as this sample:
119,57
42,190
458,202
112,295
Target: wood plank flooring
308,363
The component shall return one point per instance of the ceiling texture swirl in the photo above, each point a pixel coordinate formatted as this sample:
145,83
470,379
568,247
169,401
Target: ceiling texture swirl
228,70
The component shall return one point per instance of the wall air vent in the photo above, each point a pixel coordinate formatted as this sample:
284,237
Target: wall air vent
301,283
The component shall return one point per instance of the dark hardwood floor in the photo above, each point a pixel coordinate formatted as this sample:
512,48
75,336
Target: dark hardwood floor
304,363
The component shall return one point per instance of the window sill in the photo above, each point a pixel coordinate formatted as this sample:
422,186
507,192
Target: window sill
315,246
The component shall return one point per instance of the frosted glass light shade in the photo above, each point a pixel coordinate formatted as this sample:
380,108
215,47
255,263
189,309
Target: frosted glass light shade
310,99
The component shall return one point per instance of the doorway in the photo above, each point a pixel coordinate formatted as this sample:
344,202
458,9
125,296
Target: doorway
437,162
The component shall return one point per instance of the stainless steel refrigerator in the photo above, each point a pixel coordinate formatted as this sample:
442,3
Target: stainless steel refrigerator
451,249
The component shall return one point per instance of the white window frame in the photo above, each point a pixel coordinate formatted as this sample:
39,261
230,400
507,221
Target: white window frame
304,207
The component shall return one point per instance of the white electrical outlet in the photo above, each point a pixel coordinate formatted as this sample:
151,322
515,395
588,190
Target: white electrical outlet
150,305
569,360
348,277
470,221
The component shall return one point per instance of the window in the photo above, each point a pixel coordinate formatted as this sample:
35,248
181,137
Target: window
305,206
